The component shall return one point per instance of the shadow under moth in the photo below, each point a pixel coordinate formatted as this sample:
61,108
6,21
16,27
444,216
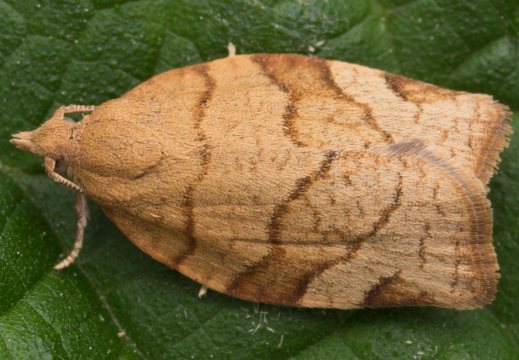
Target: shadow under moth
293,180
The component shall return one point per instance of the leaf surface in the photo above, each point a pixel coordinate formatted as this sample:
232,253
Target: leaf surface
117,303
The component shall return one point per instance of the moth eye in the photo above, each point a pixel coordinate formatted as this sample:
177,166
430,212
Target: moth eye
61,167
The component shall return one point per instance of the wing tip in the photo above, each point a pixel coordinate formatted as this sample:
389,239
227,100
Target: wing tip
498,140
479,249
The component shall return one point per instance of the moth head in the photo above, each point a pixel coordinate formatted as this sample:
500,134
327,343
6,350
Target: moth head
51,139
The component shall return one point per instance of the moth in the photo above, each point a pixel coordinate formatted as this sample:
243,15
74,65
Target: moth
293,180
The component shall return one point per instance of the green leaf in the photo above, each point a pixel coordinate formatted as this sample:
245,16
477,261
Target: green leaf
115,302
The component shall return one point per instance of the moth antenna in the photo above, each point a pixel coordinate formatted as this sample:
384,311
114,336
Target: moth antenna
69,109
82,217
76,108
50,164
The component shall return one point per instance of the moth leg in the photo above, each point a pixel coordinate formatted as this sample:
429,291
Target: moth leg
50,165
202,292
82,217
231,48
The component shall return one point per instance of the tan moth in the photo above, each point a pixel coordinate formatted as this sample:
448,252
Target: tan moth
293,180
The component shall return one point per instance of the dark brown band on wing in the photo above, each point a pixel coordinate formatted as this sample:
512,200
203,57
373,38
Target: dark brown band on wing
250,281
205,154
300,77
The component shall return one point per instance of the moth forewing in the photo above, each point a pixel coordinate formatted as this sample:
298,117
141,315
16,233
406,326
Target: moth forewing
299,181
